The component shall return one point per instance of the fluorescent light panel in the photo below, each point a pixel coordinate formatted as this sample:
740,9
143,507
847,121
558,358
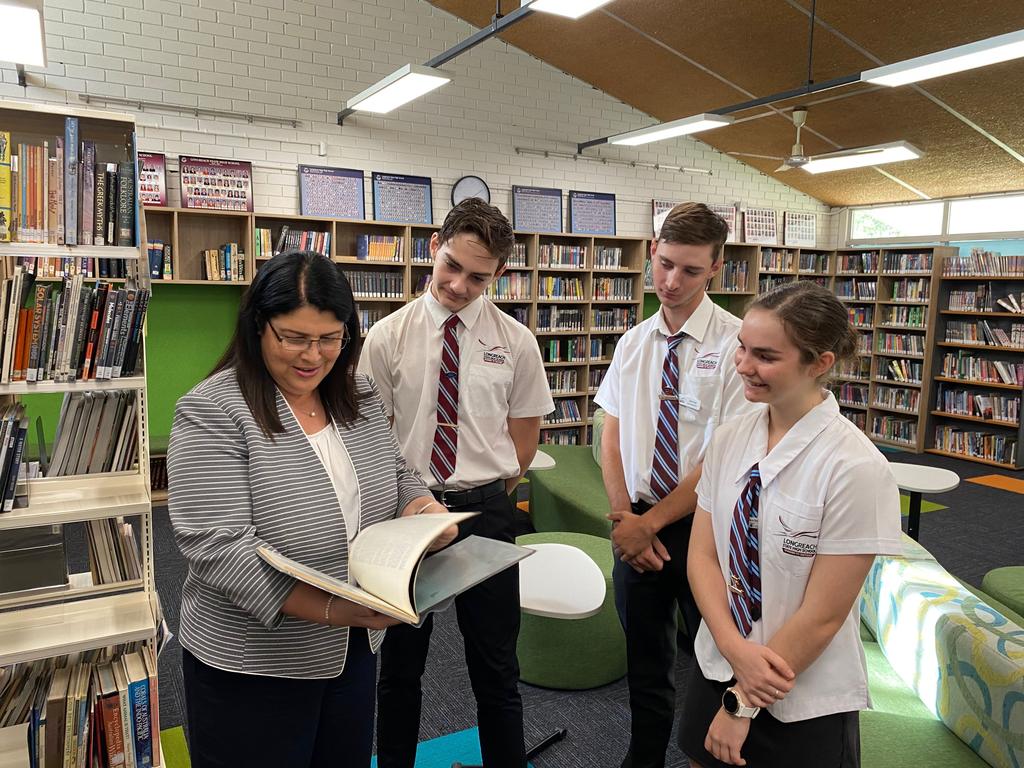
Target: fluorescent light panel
400,87
683,127
979,54
572,9
893,152
22,40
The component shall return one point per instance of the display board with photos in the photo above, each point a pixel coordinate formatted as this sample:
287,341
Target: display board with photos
536,209
800,229
215,184
660,209
403,199
152,178
336,193
761,226
591,213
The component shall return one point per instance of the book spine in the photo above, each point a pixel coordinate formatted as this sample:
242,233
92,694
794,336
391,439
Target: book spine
95,321
60,191
88,206
71,180
125,204
110,326
37,329
138,694
127,315
99,225
6,200
111,209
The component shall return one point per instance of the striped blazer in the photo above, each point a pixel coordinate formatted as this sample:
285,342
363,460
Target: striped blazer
232,489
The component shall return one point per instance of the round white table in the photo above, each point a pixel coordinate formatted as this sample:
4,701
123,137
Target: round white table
919,480
560,582
542,460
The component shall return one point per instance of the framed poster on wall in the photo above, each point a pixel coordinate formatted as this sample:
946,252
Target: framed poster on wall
727,212
800,229
402,199
591,213
536,209
336,193
761,226
213,184
152,178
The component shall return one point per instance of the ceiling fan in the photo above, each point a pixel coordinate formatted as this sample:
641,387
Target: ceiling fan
796,157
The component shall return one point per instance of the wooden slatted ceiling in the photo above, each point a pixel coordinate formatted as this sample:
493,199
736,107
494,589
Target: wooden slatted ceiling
637,51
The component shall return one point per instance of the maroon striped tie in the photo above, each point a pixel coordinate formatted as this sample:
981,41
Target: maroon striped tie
446,435
665,468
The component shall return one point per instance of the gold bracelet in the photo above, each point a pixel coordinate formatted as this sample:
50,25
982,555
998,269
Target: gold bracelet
327,610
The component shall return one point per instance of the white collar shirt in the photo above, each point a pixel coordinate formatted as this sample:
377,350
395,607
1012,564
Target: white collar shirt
825,490
501,376
710,390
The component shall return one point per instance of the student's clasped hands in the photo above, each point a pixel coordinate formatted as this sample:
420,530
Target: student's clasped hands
762,674
634,543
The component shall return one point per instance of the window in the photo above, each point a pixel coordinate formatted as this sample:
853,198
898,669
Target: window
897,221
987,214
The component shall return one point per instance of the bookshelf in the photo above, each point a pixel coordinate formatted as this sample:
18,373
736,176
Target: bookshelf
36,625
978,365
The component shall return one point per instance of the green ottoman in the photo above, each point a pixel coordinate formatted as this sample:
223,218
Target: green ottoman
1007,586
573,654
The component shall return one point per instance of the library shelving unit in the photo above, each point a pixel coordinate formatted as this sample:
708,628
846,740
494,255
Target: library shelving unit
978,362
855,283
191,232
81,617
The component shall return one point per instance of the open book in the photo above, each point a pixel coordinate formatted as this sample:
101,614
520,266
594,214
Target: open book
392,574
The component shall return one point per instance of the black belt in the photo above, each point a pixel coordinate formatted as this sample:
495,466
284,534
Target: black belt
451,497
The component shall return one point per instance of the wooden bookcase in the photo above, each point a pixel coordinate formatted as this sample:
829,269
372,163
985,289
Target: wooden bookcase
956,428
81,617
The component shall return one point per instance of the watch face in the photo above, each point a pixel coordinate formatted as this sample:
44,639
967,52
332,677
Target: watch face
730,703
470,186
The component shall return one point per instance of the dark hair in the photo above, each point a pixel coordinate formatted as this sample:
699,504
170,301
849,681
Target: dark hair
287,282
815,320
695,224
483,220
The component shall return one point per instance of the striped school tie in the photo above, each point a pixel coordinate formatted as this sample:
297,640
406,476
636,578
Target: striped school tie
665,469
446,434
744,558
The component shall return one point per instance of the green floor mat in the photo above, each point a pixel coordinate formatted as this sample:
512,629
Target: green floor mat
172,741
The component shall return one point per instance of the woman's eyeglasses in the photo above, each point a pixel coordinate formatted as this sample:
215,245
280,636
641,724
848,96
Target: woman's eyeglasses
327,344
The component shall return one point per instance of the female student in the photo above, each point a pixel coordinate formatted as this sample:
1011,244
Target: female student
793,505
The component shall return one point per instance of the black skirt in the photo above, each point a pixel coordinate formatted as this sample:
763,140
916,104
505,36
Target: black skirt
831,741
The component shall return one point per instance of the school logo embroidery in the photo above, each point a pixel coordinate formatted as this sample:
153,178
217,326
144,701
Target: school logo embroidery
494,358
708,362
495,355
798,543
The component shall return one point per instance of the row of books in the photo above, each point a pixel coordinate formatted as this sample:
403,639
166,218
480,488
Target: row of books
734,276
864,342
857,289
613,319
65,266
379,247
861,316
777,261
380,285
518,256
562,288
562,380
520,314
513,286
894,263
559,319
367,317
552,255
965,365
60,192
978,404
901,370
903,398
289,239
866,262
97,431
982,333
224,264
894,429
608,256
93,710
161,265
984,263
910,289
559,437
1001,448
857,368
901,343
852,394
601,350
859,418
566,411
421,251
910,317
13,431
594,378
71,334
814,262
617,288
569,350
113,551
1011,303
768,283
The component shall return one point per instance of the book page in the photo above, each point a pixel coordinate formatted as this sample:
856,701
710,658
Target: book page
384,557
461,566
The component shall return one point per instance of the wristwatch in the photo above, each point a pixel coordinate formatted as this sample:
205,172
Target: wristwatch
733,704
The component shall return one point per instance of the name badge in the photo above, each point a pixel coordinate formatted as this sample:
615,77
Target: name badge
688,401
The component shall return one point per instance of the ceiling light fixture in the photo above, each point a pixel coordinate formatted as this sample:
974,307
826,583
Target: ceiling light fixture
683,127
963,57
22,36
893,152
400,87
572,9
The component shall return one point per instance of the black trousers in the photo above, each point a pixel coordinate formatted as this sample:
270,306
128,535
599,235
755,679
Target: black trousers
488,617
647,605
268,722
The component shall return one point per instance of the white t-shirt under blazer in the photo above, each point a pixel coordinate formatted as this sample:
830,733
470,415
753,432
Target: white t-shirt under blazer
825,490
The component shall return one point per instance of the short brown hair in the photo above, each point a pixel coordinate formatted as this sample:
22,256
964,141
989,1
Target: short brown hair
483,220
815,320
695,224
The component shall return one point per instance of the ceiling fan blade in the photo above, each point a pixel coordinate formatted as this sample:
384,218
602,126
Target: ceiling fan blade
760,157
783,168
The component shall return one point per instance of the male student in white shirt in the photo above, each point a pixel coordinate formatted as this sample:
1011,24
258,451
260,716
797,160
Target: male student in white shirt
465,387
670,383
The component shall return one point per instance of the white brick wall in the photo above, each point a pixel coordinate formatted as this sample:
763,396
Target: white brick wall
301,60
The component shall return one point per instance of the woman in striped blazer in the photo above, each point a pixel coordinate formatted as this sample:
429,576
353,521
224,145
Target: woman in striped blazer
283,445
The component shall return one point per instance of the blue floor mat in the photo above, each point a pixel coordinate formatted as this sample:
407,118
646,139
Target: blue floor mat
441,752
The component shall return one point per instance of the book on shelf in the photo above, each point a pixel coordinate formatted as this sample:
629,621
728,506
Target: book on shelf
379,247
6,201
224,264
113,551
161,266
289,239
982,263
33,560
391,573
96,432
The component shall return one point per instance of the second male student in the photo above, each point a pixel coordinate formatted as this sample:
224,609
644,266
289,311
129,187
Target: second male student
465,386
670,383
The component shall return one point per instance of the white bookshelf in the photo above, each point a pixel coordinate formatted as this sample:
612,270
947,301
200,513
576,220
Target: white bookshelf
60,500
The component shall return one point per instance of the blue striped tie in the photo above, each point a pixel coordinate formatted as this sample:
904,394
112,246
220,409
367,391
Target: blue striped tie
665,468
744,557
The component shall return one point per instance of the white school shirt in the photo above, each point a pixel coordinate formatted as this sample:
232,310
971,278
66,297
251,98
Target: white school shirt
710,390
331,450
501,376
825,489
